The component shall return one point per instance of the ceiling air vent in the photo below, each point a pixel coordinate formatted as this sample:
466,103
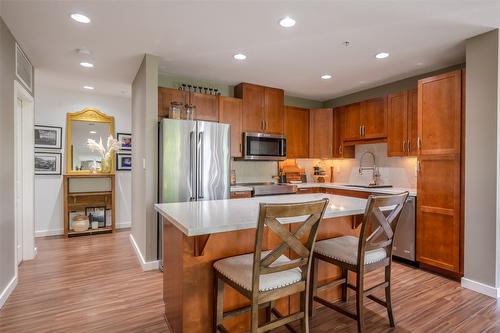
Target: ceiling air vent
24,69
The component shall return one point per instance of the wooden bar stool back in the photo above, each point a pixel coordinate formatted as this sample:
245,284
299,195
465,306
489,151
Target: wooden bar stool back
372,250
266,276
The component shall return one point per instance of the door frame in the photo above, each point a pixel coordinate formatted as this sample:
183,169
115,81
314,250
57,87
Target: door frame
27,170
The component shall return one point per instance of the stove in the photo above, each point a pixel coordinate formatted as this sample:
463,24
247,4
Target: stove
262,189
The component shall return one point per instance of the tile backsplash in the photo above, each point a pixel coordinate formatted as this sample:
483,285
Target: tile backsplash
254,171
396,171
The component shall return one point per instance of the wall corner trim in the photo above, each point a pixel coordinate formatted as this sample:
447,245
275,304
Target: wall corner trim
146,265
480,288
7,291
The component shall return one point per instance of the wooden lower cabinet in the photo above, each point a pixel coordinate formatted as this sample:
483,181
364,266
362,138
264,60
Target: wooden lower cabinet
240,194
297,132
439,204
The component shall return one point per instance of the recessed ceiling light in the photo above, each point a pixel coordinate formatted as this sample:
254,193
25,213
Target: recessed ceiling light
92,132
381,55
86,64
88,87
287,22
326,77
240,56
80,18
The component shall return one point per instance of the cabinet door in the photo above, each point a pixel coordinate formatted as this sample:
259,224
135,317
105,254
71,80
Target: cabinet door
352,122
374,118
412,122
297,132
230,110
273,110
397,129
207,106
253,106
167,96
439,177
339,149
320,133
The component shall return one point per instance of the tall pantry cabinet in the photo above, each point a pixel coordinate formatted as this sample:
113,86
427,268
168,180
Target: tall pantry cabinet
439,153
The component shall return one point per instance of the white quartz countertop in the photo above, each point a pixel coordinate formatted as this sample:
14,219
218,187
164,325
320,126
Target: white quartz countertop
208,217
343,186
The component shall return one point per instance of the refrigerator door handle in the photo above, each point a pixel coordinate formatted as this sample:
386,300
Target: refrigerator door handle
191,167
200,165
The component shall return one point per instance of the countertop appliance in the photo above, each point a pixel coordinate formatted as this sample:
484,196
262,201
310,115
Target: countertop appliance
404,240
264,147
194,162
270,188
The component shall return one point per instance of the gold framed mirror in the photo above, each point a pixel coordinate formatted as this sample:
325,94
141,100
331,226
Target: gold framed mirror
87,124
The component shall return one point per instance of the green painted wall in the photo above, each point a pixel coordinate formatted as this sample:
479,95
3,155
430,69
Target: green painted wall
408,83
174,81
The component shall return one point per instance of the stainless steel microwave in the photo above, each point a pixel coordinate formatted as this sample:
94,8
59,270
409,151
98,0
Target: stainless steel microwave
264,147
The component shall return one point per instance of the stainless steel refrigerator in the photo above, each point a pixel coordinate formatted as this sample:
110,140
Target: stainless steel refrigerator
194,162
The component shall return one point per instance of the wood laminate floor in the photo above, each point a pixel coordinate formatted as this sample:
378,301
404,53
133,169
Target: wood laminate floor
95,284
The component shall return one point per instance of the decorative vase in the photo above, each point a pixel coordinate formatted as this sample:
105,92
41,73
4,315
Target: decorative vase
106,165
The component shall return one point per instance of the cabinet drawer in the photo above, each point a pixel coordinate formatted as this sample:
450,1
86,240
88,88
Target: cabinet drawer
307,190
241,194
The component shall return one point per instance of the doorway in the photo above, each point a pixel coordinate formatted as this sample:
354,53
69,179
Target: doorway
24,175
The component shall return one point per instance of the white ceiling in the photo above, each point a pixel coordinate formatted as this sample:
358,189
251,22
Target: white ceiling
198,39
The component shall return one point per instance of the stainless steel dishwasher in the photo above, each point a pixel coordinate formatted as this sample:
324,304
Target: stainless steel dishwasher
404,240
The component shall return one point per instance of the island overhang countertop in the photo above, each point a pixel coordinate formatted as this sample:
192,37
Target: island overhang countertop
198,218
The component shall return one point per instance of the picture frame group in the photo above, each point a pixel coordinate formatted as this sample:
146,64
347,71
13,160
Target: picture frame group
124,157
48,138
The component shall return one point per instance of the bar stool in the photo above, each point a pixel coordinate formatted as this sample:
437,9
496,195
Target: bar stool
265,276
371,251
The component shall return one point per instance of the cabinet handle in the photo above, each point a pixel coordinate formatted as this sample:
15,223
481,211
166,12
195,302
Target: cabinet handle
408,149
404,146
419,144
241,148
418,166
364,130
360,130
340,149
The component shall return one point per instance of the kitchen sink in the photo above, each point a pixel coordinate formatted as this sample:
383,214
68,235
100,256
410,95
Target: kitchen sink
370,186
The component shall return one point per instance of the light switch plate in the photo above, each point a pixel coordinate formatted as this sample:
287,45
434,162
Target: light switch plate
144,163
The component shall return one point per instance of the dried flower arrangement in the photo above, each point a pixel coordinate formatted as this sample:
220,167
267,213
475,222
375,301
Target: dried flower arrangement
106,153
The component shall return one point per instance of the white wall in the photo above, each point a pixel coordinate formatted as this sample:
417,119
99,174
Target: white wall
482,177
51,106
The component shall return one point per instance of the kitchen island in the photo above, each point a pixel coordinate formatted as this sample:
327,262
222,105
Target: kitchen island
195,234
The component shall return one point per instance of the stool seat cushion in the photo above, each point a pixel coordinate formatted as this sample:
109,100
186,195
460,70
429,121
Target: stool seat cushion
239,269
345,249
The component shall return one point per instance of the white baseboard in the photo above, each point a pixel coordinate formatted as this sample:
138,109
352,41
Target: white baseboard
146,265
481,288
57,232
49,232
123,225
7,291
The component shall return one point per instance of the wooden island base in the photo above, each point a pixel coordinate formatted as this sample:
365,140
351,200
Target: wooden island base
188,274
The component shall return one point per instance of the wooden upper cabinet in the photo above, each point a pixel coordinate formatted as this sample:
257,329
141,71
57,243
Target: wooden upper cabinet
263,109
352,122
167,96
297,132
374,118
274,110
230,112
253,106
439,103
397,129
440,222
412,122
207,106
320,133
339,149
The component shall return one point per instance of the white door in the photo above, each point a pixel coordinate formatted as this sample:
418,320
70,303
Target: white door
18,157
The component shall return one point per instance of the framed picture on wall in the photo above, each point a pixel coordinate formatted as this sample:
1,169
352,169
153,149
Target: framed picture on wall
123,162
48,137
47,163
125,140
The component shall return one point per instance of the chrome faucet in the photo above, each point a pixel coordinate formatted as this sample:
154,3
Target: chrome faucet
374,168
